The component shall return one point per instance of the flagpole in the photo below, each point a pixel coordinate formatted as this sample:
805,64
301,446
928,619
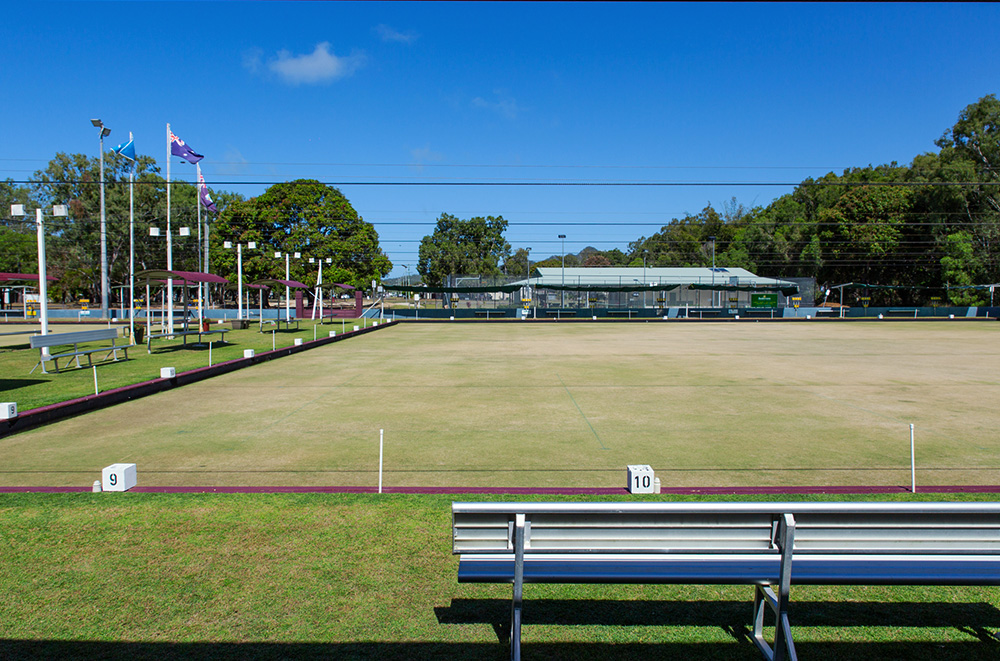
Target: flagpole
131,249
197,203
170,251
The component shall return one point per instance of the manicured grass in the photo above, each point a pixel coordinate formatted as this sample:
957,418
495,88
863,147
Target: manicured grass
154,576
32,390
562,405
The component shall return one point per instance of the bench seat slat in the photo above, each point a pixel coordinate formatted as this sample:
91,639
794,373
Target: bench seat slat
746,569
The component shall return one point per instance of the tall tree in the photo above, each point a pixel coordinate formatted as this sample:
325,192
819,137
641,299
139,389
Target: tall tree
463,247
304,216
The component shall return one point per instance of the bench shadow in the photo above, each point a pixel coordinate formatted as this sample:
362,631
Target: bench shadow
14,384
62,650
979,620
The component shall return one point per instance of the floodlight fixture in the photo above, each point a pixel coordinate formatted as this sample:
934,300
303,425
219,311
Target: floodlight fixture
59,210
227,244
17,209
252,245
154,231
184,231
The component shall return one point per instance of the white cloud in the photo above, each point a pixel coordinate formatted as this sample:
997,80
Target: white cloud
390,34
502,103
320,66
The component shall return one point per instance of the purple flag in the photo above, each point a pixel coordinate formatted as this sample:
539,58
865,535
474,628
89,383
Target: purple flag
178,148
203,195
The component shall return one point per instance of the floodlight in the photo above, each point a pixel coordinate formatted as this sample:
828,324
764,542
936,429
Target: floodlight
252,245
105,132
277,254
98,123
227,244
329,260
184,231
154,231
17,209
297,255
59,210
312,260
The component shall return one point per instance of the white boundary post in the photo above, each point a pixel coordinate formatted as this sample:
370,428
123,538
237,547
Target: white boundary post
913,464
380,435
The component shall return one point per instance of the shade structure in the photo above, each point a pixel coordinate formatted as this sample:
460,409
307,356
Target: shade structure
18,278
269,282
186,276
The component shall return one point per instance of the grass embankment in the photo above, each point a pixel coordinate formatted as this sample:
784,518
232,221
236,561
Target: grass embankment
144,576
32,390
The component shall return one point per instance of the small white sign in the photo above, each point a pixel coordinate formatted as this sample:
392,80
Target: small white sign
248,353
298,341
118,477
8,410
167,372
640,479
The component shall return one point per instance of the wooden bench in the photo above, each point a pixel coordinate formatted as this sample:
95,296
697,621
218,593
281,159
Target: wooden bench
43,342
907,312
767,545
184,336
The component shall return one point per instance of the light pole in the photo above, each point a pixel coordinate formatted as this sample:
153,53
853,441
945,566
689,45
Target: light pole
43,292
527,278
103,131
712,239
562,294
288,291
181,231
644,253
251,245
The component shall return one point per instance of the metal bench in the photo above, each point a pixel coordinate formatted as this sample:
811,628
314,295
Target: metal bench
184,336
43,342
767,545
490,313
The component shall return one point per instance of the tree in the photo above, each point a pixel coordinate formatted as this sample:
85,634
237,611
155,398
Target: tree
467,247
303,216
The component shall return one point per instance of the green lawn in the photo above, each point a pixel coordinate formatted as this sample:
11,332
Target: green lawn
34,389
153,576
561,405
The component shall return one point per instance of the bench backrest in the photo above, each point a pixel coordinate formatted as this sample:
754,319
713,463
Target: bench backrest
729,528
77,337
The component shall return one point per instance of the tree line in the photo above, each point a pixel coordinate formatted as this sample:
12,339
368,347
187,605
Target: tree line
303,216
920,232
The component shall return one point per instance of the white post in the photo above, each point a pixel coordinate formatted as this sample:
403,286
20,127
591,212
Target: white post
239,280
197,203
913,465
210,353
131,250
96,391
104,236
43,293
380,433
170,247
288,314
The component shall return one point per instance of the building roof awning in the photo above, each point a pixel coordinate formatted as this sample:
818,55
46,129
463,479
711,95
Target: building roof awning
186,276
271,282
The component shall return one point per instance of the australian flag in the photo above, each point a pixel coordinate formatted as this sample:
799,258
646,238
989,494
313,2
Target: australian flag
206,199
178,148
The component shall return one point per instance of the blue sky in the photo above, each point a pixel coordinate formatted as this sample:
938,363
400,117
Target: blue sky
488,92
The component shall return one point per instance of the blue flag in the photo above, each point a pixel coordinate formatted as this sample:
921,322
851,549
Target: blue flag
203,195
178,148
126,149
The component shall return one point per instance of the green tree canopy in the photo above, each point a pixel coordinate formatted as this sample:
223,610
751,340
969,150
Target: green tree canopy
303,216
463,247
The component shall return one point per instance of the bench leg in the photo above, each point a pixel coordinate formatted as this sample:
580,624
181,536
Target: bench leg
784,646
515,604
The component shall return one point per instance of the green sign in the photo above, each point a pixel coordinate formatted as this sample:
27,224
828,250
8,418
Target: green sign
763,300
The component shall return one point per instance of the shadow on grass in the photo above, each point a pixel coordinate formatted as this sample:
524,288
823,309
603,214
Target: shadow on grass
14,384
140,651
978,620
